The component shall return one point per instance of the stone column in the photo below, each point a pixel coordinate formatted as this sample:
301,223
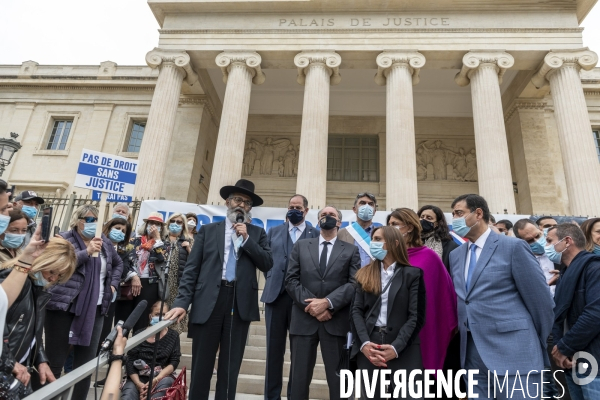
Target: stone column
484,70
316,71
399,71
240,70
582,172
174,66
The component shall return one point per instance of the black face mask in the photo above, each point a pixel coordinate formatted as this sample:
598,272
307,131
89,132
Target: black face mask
295,216
327,222
427,225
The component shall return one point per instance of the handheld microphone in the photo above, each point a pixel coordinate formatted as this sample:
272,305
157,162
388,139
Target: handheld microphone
239,219
126,326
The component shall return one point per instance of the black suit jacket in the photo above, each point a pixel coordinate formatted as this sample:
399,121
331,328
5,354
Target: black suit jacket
304,281
281,246
201,280
405,310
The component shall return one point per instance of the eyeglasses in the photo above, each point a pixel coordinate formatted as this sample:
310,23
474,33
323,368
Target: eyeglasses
178,222
239,200
89,220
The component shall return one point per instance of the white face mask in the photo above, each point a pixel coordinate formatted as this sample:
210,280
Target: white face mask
191,223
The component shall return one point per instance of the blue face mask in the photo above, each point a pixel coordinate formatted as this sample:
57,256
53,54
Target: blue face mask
365,212
459,225
176,229
12,241
30,211
115,215
295,216
154,321
597,249
377,250
552,254
4,221
89,229
39,280
538,246
116,236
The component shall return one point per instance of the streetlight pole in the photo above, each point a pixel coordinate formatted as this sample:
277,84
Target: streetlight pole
8,148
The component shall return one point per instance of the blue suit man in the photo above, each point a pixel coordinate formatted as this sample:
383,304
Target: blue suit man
278,303
505,310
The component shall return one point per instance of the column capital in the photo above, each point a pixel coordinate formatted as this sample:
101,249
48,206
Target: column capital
500,59
329,58
180,59
250,59
582,58
413,59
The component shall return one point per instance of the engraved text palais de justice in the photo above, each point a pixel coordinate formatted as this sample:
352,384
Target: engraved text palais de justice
365,22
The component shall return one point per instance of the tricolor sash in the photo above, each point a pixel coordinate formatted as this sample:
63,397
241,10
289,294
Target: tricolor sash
362,238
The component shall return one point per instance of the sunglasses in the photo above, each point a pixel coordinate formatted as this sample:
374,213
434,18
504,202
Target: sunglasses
89,219
178,222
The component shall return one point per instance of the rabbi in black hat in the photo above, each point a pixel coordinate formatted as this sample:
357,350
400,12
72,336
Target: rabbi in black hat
220,276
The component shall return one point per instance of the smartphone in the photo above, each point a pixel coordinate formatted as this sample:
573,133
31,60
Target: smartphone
46,223
56,230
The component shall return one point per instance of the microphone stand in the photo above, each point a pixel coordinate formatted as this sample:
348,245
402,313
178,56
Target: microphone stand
160,315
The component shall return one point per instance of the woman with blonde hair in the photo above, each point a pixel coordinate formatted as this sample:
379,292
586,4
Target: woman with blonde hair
77,307
441,316
23,345
179,244
389,308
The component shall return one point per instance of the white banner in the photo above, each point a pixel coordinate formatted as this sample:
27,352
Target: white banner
265,217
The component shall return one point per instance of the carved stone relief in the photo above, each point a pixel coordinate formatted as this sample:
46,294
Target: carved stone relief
439,161
271,157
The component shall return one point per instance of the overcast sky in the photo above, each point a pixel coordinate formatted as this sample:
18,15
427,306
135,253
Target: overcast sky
86,33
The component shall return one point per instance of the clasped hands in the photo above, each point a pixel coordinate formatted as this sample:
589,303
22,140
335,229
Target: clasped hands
318,308
379,354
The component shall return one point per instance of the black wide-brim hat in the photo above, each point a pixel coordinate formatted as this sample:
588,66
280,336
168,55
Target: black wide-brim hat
242,186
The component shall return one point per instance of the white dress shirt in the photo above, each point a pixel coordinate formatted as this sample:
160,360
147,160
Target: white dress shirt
228,232
329,249
479,243
386,275
300,231
546,266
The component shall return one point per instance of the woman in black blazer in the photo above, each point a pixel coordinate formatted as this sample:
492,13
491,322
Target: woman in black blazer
388,324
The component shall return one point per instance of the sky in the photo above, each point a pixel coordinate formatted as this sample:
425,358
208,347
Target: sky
82,32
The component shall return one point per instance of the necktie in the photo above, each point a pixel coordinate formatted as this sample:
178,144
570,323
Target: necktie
295,231
472,264
323,260
231,262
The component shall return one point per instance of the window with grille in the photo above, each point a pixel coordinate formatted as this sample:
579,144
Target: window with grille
135,137
59,135
353,158
596,134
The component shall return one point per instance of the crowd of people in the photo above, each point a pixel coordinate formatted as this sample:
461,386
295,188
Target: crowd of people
506,298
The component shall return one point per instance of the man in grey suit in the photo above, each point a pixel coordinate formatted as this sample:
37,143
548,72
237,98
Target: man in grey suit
320,280
278,303
504,305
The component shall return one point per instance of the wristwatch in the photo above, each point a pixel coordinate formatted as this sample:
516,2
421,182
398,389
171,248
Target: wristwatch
115,357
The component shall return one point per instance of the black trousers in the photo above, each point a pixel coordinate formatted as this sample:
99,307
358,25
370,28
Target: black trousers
108,323
149,293
304,358
57,327
556,371
224,332
409,359
278,316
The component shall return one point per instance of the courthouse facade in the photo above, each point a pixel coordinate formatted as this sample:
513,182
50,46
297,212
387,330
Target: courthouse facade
416,102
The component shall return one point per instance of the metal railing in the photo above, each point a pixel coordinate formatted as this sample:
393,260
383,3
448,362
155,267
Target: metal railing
63,208
62,389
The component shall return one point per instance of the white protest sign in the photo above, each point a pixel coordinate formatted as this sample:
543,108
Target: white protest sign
106,173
